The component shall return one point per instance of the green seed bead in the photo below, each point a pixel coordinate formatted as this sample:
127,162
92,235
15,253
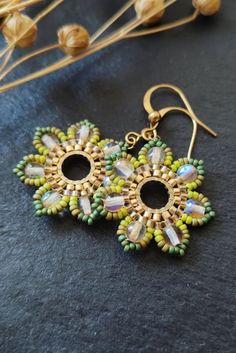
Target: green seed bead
90,221
182,246
171,250
103,213
186,241
44,211
121,238
205,219
85,218
208,209
95,213
126,248
132,246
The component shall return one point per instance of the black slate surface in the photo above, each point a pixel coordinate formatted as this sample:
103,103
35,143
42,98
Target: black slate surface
68,288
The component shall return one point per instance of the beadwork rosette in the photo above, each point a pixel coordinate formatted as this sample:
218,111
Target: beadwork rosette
49,170
120,198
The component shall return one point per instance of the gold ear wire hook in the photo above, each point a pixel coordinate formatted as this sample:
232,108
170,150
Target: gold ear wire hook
163,112
156,116
149,109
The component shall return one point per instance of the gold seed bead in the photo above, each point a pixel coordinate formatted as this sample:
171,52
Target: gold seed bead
143,7
15,26
207,7
73,38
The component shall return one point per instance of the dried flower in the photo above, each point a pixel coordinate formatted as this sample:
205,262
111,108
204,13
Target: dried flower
207,7
73,38
16,26
144,7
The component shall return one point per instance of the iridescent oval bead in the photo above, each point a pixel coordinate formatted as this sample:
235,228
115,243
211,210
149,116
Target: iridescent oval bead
173,234
188,173
135,231
83,133
123,168
114,202
50,199
34,170
194,209
50,141
106,181
110,148
85,205
156,155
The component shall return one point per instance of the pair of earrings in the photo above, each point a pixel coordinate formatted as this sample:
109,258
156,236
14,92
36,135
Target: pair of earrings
113,186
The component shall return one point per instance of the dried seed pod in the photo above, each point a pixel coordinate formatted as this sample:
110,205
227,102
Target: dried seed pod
16,26
143,7
73,38
207,7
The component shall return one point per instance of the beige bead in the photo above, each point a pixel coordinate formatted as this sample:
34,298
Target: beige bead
143,7
207,7
73,38
15,26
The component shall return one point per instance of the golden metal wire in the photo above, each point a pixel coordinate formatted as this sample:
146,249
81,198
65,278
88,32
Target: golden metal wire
155,117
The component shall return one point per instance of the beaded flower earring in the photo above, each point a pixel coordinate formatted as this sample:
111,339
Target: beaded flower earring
129,177
68,169
113,181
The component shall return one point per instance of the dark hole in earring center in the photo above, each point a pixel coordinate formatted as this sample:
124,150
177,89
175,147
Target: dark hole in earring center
76,167
154,194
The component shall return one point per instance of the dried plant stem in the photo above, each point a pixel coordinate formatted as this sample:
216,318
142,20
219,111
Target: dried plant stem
38,18
5,8
117,36
55,46
111,20
7,2
6,59
164,27
17,6
26,58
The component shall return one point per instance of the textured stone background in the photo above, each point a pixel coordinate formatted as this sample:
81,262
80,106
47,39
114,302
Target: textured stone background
68,288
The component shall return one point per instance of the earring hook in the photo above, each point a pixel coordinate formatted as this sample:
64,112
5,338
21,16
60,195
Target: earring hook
148,106
155,116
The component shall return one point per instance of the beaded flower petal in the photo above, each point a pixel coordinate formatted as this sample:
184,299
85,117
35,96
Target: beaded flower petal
121,198
57,151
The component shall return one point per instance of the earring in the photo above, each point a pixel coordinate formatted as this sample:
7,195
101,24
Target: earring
53,170
114,181
129,177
